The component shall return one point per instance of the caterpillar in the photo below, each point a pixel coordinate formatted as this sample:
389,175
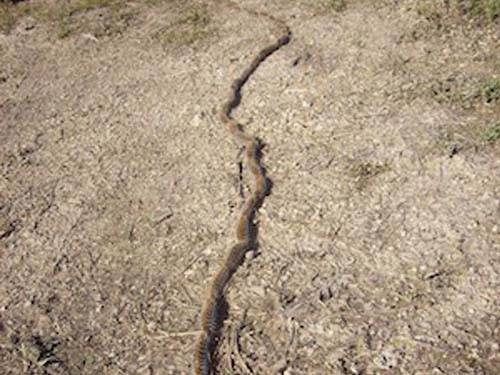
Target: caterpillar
215,306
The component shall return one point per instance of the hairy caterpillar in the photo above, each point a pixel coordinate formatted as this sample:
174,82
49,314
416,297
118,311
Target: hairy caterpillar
215,306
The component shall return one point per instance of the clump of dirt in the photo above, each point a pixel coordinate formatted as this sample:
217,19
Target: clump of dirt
365,171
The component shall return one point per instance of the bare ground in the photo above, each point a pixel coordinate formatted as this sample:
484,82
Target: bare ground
119,189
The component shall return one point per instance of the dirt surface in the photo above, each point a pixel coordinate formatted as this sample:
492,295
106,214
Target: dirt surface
120,189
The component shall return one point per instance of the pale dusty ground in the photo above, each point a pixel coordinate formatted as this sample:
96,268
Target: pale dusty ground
119,193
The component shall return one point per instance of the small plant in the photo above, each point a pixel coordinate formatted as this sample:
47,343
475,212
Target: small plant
493,9
480,8
63,29
10,12
62,16
65,18
85,5
192,26
491,90
488,10
493,133
337,5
